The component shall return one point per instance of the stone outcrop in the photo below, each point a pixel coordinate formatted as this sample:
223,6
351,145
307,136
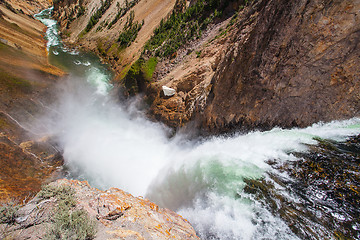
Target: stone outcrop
117,215
65,12
190,75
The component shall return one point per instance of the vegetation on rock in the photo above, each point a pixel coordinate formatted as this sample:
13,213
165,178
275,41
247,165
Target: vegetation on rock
94,19
81,11
67,222
122,11
130,31
182,27
139,75
8,213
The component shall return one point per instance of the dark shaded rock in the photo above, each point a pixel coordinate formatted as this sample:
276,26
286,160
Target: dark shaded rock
292,63
324,185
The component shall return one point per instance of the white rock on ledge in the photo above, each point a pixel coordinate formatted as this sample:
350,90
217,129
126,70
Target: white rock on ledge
168,91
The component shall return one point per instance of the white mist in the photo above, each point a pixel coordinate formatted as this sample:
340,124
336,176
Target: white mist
116,146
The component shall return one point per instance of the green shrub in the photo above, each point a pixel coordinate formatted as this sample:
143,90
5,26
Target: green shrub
81,11
133,77
139,75
67,221
8,213
149,67
122,11
198,54
94,19
62,193
182,27
130,31
70,224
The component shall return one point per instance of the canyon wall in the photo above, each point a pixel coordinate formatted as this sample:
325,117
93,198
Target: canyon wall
26,83
102,37
258,65
291,64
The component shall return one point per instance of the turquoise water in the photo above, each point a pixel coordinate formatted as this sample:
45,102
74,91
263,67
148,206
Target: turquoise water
73,61
114,145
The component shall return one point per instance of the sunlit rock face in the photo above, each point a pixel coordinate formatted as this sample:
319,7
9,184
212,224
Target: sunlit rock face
117,214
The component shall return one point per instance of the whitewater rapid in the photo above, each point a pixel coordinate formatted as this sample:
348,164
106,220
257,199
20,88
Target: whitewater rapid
113,145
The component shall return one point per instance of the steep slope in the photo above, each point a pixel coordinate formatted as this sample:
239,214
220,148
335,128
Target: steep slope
291,64
27,7
281,64
26,78
256,64
102,37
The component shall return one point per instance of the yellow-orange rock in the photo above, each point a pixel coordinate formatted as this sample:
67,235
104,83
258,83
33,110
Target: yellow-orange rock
118,215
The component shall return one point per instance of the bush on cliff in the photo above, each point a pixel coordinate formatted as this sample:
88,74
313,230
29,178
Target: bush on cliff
8,213
139,75
183,26
68,222
122,11
130,31
94,19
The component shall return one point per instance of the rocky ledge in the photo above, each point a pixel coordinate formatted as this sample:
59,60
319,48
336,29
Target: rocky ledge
71,209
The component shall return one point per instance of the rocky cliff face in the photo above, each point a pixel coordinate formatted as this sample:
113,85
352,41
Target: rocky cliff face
28,7
110,214
272,63
102,38
281,64
291,64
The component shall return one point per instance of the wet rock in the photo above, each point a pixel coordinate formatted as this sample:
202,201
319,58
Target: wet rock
324,188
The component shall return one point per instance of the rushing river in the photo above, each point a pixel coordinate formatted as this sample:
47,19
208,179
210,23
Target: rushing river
278,184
